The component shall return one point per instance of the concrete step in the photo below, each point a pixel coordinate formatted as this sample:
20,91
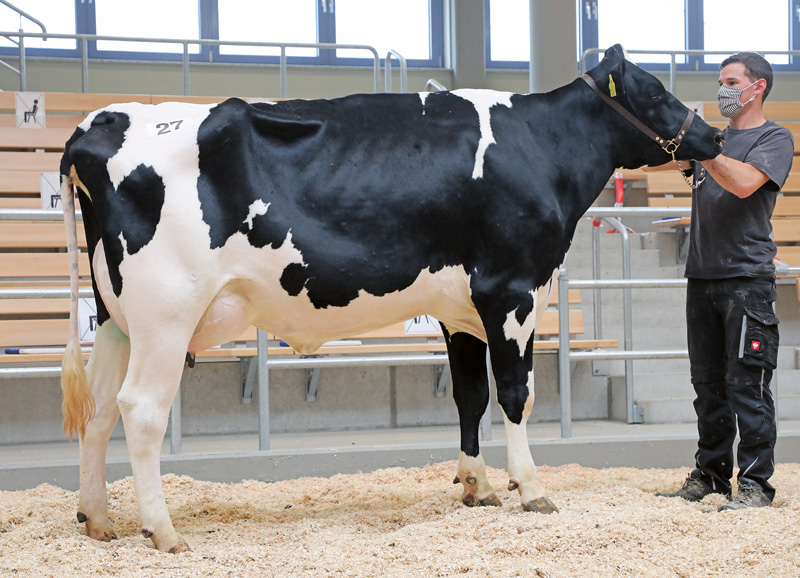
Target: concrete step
668,397
646,338
681,410
654,315
788,407
616,367
668,410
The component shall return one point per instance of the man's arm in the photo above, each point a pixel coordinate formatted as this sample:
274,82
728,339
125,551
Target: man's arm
668,166
734,176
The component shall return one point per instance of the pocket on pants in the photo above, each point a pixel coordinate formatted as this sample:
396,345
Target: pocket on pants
758,344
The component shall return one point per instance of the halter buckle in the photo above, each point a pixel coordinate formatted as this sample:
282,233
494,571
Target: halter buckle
671,143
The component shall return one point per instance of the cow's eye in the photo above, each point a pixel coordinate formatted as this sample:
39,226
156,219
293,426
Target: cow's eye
655,97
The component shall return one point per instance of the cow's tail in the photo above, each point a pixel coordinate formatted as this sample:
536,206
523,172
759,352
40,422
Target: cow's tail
78,406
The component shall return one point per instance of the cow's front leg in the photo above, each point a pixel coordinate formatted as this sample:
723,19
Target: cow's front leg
105,372
471,393
509,327
145,399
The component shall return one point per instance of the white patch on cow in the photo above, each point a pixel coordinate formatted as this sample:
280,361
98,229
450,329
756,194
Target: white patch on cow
521,332
257,209
483,101
423,96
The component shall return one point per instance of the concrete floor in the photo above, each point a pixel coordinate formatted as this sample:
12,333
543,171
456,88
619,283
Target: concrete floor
231,458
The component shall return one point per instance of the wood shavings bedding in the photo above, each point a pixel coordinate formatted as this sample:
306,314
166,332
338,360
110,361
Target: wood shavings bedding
411,523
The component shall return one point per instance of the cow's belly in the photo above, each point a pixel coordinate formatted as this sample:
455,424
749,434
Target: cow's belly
444,295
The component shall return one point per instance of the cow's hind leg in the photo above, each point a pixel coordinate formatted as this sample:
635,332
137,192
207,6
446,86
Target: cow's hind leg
105,372
509,327
157,359
471,393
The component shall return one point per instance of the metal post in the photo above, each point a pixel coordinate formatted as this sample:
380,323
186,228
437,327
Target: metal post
186,69
627,313
283,72
597,307
564,377
403,71
84,65
263,390
672,73
23,69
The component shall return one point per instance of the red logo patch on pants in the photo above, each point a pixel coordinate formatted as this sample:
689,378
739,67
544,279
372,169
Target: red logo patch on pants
755,345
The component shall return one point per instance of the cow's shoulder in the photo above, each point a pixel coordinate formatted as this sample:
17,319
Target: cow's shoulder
235,117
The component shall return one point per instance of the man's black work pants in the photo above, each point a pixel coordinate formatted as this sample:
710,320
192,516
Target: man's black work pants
733,348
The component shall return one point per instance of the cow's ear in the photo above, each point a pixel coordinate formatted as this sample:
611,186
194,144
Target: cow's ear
616,52
612,80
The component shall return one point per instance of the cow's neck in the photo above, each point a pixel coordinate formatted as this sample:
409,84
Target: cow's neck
594,141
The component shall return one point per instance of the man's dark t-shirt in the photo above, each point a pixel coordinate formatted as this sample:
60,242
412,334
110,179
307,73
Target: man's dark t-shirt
729,236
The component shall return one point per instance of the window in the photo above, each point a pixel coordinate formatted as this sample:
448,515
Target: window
147,19
726,25
620,22
723,28
268,21
508,38
383,26
415,28
58,17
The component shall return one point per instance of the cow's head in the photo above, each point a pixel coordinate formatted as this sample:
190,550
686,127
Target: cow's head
646,99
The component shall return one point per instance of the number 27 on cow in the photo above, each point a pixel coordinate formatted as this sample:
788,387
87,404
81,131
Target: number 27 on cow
162,128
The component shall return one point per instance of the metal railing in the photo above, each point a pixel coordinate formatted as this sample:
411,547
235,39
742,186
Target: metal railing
403,71
21,71
435,85
673,53
85,39
628,353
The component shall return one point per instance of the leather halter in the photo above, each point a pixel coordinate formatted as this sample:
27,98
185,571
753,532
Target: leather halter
669,146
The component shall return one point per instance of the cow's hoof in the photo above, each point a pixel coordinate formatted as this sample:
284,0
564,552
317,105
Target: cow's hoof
181,546
175,546
540,506
490,500
102,532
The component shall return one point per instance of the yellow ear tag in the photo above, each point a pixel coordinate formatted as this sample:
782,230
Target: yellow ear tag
612,88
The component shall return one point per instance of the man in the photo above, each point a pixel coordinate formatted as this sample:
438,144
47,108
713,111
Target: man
732,330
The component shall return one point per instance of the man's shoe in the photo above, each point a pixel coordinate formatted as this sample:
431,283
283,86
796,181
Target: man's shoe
748,496
693,490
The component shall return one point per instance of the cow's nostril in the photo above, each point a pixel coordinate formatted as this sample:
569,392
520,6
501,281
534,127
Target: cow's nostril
719,139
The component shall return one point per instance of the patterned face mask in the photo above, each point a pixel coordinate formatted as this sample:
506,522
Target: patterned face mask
728,100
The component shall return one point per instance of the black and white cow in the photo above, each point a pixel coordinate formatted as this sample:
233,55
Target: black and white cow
317,220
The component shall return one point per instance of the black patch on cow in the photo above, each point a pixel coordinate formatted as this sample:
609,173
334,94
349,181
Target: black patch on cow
131,210
293,279
523,311
350,179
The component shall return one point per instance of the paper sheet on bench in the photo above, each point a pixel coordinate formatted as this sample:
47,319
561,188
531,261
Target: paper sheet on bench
87,319
49,185
423,325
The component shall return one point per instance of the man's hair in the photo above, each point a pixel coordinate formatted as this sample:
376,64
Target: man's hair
755,67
